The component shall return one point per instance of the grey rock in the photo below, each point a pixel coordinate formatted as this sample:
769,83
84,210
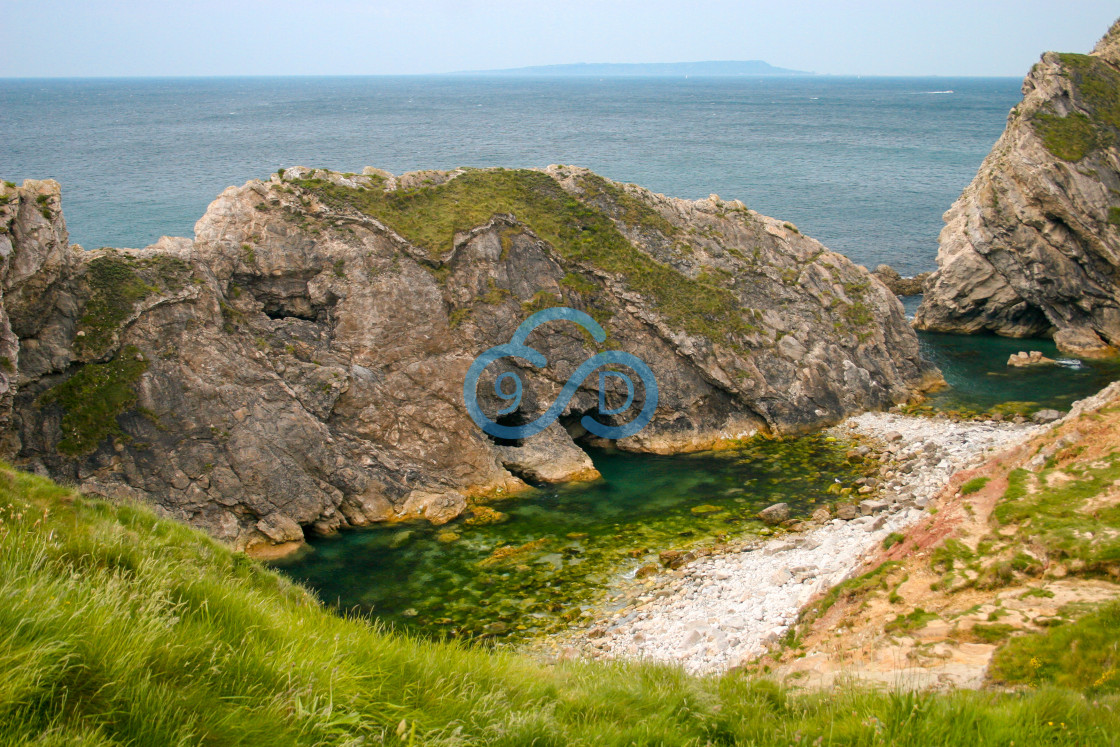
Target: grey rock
549,457
1046,416
775,514
899,285
872,507
1029,248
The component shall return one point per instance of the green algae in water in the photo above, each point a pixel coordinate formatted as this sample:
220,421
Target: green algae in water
562,545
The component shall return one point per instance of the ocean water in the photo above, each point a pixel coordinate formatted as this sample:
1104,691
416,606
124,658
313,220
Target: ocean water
865,165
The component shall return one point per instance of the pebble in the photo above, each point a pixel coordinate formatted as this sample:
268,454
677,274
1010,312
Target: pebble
724,610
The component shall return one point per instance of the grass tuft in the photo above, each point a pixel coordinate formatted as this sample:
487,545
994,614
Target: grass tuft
92,399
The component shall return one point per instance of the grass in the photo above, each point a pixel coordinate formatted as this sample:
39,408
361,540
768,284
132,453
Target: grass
118,627
893,539
908,623
623,206
92,399
117,283
1097,87
582,232
975,485
1070,138
990,633
1055,520
1084,655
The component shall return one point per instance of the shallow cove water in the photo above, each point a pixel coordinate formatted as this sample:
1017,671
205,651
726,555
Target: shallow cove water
975,367
559,546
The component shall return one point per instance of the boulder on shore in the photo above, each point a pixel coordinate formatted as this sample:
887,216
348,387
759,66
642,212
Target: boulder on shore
775,514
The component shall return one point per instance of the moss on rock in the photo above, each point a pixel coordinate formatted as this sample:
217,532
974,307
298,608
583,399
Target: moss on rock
92,399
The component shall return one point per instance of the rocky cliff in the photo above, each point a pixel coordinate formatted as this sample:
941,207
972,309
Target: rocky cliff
1032,246
300,363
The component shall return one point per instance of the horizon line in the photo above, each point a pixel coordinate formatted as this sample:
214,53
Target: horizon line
490,74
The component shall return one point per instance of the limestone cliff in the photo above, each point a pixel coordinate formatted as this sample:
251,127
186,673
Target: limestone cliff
300,363
1032,246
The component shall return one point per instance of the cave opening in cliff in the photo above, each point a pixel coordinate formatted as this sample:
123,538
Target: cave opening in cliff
287,298
512,419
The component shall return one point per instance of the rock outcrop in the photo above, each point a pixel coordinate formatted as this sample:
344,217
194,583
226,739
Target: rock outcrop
1032,246
1033,358
900,286
299,364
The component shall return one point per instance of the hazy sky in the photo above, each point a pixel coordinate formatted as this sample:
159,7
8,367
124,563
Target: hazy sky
323,37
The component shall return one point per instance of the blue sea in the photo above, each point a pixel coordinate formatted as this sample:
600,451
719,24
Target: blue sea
865,165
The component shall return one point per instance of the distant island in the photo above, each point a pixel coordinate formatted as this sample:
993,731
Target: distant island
726,68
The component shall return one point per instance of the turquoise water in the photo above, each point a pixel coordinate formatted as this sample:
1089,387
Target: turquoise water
558,547
865,165
975,367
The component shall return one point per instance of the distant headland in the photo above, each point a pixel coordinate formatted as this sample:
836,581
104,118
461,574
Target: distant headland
725,68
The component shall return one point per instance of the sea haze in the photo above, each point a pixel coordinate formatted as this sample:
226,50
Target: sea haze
865,165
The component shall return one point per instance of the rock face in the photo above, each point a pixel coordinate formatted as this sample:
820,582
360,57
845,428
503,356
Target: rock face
899,285
1032,246
299,365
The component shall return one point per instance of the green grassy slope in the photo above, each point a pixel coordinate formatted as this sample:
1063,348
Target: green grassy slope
118,627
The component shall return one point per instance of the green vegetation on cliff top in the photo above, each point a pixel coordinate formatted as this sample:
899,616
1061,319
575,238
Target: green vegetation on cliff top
118,627
1076,135
430,216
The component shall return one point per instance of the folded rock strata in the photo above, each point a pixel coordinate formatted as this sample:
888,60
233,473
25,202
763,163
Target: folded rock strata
299,364
1032,246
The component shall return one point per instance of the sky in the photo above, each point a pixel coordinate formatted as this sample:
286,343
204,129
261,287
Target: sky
91,38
